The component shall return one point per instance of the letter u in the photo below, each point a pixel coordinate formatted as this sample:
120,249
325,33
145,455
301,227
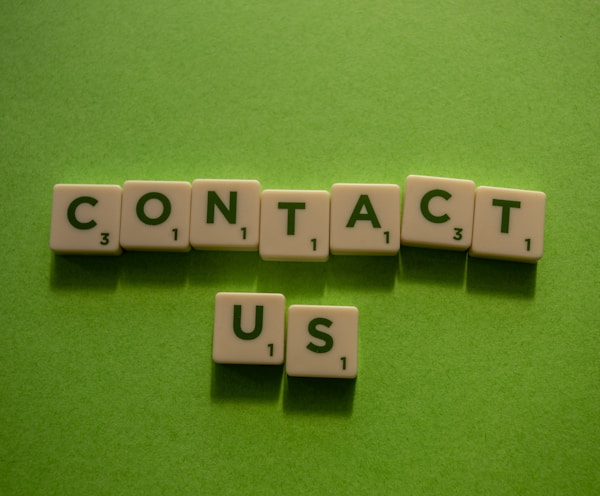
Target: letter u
237,323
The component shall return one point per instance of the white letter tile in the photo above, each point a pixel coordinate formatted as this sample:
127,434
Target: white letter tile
509,224
156,215
225,214
322,341
249,328
86,219
438,212
294,225
365,219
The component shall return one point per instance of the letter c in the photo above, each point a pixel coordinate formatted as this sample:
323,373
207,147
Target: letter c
427,197
76,223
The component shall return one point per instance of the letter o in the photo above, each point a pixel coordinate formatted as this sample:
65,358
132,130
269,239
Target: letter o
154,195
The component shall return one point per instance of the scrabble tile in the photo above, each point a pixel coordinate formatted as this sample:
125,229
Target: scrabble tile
225,214
294,225
438,212
249,328
365,219
322,341
155,215
508,224
86,219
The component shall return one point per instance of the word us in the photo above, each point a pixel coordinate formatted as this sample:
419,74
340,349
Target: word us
322,341
293,225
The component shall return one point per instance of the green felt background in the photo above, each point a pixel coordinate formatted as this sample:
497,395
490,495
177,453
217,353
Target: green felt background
476,377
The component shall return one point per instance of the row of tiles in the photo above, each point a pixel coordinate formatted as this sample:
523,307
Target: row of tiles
293,225
321,341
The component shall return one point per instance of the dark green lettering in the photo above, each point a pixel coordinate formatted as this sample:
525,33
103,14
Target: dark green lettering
369,214
214,201
427,197
506,206
316,333
237,323
73,207
154,195
291,219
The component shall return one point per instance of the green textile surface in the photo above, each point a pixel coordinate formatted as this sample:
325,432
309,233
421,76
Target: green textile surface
475,376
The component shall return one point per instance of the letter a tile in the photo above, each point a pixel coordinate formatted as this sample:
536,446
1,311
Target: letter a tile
365,219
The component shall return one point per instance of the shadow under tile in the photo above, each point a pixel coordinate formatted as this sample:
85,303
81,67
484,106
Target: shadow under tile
234,270
445,267
292,278
501,277
362,273
84,272
307,395
261,383
154,268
